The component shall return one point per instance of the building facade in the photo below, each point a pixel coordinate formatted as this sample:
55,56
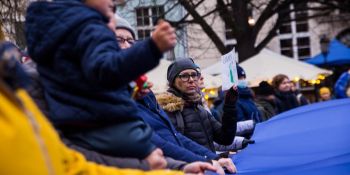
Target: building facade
297,39
143,14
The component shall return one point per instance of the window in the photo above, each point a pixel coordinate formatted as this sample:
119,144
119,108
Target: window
301,18
303,47
286,26
145,17
302,26
287,47
294,33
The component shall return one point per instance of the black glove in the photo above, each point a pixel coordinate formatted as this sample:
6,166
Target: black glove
231,97
224,154
246,142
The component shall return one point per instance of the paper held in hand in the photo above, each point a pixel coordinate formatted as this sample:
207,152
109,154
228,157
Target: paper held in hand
229,70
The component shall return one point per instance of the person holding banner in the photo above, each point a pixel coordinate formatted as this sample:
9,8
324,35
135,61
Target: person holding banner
182,103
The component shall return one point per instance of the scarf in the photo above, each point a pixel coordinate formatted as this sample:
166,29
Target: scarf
190,99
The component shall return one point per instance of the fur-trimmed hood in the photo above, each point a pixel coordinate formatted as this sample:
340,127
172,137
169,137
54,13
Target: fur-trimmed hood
169,102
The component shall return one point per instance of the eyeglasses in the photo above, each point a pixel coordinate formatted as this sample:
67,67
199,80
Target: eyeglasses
186,77
123,40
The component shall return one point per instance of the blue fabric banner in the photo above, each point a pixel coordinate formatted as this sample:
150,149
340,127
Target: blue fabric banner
311,140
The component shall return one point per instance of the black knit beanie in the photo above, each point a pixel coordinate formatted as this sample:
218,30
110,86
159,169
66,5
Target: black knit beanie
178,66
265,89
240,72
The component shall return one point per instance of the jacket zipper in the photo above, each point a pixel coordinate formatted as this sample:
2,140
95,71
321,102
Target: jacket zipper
40,140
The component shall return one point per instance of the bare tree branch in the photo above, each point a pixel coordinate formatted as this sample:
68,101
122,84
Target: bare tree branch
235,15
205,26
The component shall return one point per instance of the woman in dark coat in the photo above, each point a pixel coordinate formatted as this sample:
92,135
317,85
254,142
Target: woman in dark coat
182,103
285,98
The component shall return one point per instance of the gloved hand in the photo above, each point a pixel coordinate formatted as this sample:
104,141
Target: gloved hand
231,96
241,142
246,142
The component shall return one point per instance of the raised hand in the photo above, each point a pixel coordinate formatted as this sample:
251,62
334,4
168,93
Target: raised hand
164,36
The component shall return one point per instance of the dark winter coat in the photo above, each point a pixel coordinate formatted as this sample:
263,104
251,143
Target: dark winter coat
246,108
119,162
198,124
301,99
85,73
165,136
341,85
35,90
285,101
268,108
108,160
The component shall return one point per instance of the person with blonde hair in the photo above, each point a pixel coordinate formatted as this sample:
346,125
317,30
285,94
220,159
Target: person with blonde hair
325,94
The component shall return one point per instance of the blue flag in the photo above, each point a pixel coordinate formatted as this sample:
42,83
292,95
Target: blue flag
312,140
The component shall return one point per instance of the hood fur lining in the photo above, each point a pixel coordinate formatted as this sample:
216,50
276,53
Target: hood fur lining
169,102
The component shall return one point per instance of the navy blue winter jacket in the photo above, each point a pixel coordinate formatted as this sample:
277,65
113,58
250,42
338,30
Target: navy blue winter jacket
85,74
165,136
246,108
341,85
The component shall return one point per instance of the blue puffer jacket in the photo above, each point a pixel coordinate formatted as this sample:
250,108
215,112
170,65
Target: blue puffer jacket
85,74
246,108
341,85
165,136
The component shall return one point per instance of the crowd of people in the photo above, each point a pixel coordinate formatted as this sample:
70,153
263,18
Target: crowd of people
81,70
282,94
73,106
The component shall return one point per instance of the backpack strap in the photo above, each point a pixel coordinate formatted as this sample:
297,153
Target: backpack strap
180,122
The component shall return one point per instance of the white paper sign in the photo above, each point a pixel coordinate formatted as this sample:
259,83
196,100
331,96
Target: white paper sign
229,70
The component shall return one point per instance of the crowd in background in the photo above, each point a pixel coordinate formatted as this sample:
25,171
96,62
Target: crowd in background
282,94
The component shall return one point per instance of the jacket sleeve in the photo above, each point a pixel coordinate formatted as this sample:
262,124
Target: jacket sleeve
197,148
175,164
129,139
103,62
341,85
225,132
76,164
175,151
108,160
